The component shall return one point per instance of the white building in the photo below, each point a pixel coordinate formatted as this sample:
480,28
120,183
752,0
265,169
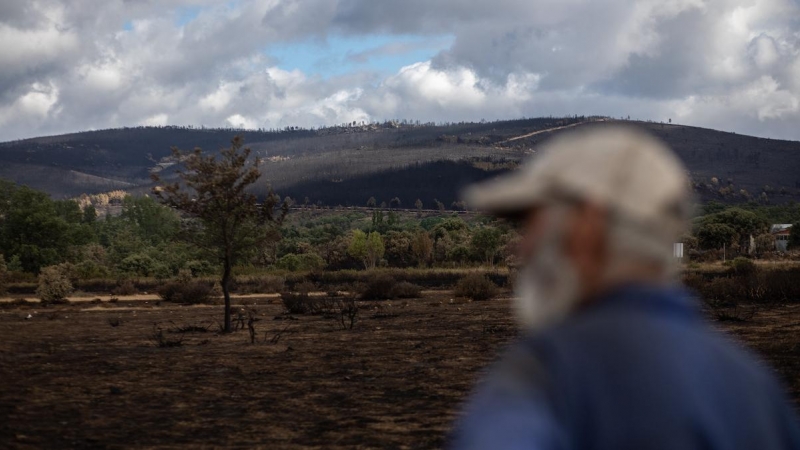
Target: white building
781,232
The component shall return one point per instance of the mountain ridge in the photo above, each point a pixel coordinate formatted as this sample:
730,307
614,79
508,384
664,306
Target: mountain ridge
724,166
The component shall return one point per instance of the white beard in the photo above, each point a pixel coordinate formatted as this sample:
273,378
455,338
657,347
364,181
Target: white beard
548,287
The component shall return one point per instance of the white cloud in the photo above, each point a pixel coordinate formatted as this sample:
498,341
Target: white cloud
730,64
219,99
240,121
35,105
156,120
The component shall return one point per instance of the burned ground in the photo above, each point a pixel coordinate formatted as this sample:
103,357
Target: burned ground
92,376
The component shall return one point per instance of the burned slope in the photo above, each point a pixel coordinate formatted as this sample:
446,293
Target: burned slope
338,165
726,167
438,180
125,157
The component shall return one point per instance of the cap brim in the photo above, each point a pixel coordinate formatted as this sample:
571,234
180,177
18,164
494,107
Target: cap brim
509,195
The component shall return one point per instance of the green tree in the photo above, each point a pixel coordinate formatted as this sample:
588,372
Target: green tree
153,222
442,245
36,230
222,217
306,261
139,264
765,243
367,248
375,249
371,202
422,246
485,243
121,239
54,284
377,218
453,227
713,236
398,248
743,223
89,214
392,219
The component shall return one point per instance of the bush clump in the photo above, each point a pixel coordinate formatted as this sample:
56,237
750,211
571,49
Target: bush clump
297,302
88,269
476,287
305,287
271,284
125,287
305,261
378,287
267,284
743,266
404,289
191,292
54,284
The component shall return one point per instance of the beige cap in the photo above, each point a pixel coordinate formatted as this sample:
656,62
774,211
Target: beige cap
618,167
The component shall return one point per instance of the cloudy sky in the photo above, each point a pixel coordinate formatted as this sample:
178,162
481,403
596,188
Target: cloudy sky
71,65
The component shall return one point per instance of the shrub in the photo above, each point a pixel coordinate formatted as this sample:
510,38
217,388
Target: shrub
125,287
378,287
742,266
54,284
305,287
138,264
161,271
723,296
89,269
348,313
296,303
459,254
306,261
161,341
200,267
288,262
476,287
404,289
722,292
184,276
267,284
192,292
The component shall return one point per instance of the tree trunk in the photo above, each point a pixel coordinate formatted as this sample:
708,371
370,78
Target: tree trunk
226,280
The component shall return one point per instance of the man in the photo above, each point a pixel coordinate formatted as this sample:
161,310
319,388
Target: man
615,355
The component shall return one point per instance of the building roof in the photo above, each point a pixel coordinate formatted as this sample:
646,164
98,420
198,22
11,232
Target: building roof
779,227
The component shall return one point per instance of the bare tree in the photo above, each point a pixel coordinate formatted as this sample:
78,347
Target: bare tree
220,216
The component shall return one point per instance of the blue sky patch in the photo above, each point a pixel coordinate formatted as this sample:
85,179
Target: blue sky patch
186,14
339,55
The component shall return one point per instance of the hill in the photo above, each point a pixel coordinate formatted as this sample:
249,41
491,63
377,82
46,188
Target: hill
348,164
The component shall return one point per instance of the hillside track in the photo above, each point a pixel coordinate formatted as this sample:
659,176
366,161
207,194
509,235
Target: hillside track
548,130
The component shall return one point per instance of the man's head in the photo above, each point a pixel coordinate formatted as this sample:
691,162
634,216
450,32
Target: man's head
599,208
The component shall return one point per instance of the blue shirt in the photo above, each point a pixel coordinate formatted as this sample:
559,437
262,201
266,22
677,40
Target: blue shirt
638,369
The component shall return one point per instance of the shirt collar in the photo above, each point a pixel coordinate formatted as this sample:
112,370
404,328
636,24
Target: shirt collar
672,299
